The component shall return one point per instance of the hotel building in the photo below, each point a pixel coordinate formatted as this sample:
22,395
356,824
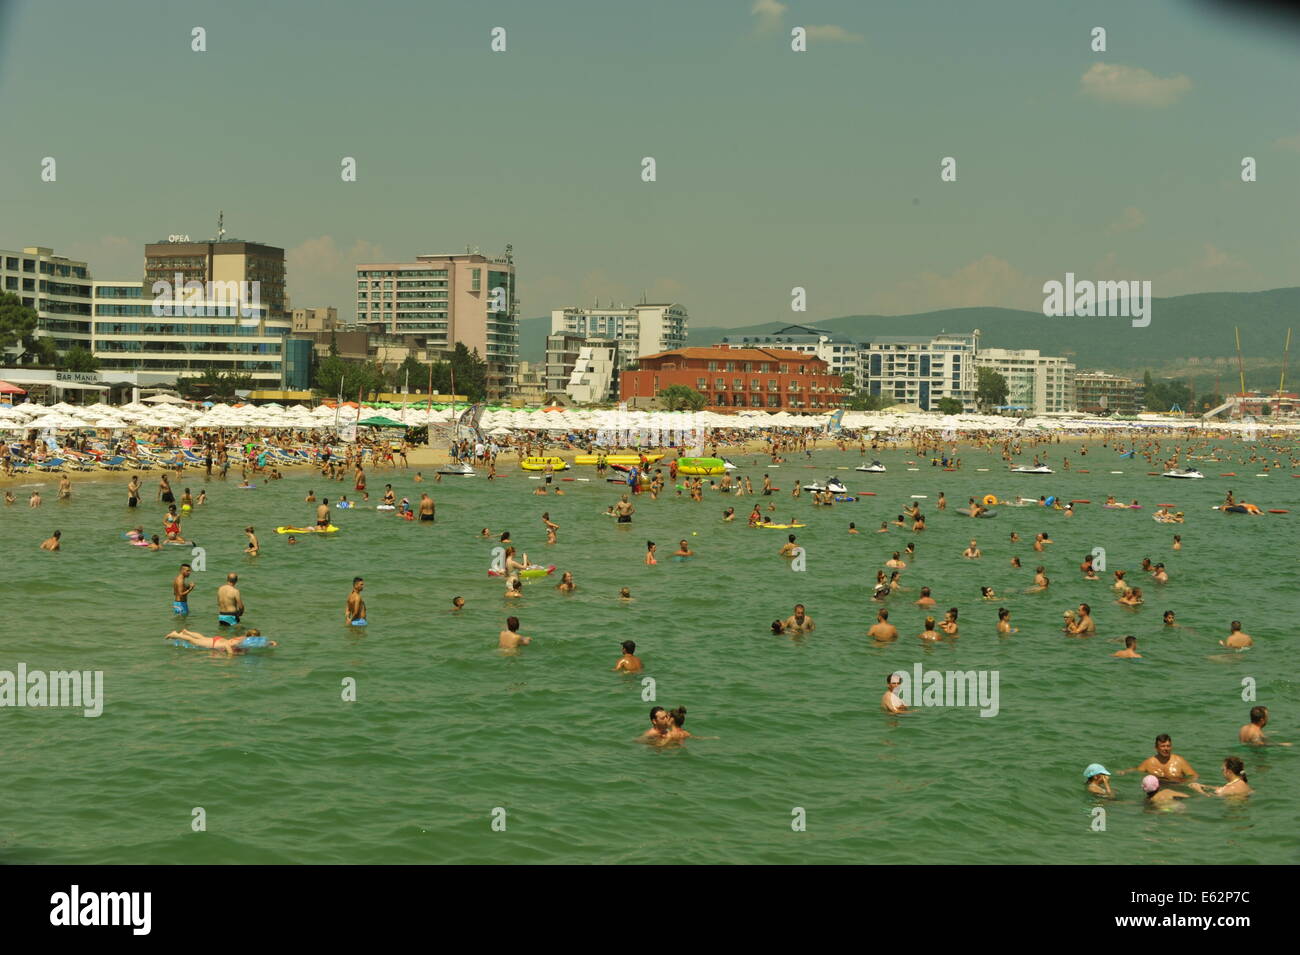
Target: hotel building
58,288
732,378
1036,383
920,370
1097,392
640,330
839,353
442,299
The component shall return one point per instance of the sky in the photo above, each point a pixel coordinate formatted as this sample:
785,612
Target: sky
773,168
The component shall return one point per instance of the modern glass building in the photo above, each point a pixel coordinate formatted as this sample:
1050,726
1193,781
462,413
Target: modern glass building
58,288
920,370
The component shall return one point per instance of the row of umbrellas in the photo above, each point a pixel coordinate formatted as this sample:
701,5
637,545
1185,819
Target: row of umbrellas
167,411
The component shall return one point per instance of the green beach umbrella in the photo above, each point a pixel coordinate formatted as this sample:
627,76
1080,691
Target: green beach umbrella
380,422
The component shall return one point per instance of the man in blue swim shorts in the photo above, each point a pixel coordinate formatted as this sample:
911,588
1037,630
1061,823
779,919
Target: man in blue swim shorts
356,609
181,588
230,603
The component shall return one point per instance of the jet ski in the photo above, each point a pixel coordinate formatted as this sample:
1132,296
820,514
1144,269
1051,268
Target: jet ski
875,467
1025,469
1185,473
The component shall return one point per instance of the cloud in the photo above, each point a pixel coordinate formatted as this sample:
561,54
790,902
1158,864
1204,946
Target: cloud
988,281
1130,220
1289,142
320,274
833,34
1132,85
769,13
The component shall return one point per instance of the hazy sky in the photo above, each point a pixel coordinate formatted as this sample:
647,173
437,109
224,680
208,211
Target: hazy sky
774,168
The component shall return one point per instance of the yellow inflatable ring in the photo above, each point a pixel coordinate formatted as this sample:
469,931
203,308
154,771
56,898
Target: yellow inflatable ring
990,500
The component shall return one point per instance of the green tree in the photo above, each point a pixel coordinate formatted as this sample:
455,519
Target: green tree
681,398
949,406
79,359
470,371
211,383
867,403
848,381
990,390
18,330
410,372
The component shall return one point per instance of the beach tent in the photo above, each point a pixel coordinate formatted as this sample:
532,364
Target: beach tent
380,422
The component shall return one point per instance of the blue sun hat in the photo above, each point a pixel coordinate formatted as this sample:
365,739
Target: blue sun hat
1095,769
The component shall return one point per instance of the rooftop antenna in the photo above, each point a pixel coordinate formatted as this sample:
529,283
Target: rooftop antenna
221,225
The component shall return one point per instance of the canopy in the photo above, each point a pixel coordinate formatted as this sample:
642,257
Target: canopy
8,389
380,422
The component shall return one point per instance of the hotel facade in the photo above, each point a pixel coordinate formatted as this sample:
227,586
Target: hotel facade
58,288
442,299
732,378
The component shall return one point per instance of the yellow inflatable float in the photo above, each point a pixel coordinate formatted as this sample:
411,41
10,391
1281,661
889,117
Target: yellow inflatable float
541,464
626,459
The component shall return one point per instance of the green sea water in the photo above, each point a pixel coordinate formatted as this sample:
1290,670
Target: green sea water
445,730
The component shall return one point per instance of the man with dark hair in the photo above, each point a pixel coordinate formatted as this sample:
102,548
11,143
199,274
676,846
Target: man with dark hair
629,662
660,724
510,638
355,614
1253,732
1165,764
181,589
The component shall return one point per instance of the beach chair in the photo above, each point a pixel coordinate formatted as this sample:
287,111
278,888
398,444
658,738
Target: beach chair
52,466
116,463
80,462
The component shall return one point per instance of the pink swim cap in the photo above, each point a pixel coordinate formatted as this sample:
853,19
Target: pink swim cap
1150,784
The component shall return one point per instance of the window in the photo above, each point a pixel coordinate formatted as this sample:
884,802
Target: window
701,384
755,385
738,384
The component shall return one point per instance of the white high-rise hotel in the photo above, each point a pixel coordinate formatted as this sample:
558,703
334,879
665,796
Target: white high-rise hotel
640,330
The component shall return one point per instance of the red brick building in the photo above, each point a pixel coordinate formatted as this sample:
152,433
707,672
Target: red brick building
731,378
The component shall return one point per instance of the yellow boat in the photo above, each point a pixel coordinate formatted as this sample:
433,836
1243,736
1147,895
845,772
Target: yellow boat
625,459
541,464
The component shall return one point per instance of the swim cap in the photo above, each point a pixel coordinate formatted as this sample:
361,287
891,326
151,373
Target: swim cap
1150,784
1095,769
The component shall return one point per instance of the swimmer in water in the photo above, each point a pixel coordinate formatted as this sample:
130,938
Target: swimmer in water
1178,542
884,528
1234,774
925,600
510,638
355,614
52,542
228,644
729,514
1130,650
457,603
252,548
1015,561
683,550
660,724
1156,796
551,527
1237,640
1253,732
1165,764
676,730
930,632
1004,621
891,702
853,528
624,594
514,587
949,624
9,497
650,554
896,561
291,540
798,622
986,593
882,631
1097,778
629,662
566,584
789,548
972,551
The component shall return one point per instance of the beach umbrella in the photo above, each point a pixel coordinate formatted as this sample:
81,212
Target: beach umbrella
8,389
378,421
165,400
